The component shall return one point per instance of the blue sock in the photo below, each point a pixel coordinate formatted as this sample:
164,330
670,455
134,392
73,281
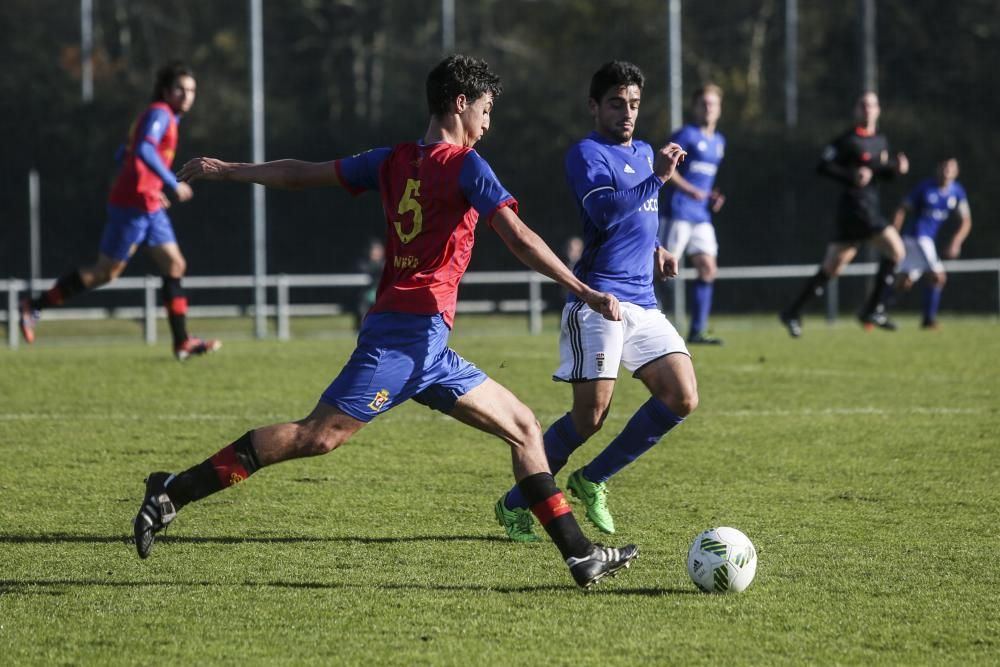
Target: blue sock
560,441
650,423
932,301
701,305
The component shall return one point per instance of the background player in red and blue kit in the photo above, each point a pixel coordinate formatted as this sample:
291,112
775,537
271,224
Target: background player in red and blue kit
137,214
858,159
690,198
616,181
929,205
433,193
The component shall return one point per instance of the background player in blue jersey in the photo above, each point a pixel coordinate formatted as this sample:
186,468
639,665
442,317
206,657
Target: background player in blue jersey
689,201
615,180
433,193
929,206
859,160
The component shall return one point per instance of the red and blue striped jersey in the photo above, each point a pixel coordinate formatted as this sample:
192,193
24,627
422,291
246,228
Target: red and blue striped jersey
432,196
137,185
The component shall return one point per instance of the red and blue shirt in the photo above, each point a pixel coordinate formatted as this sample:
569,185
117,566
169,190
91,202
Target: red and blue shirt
144,171
433,196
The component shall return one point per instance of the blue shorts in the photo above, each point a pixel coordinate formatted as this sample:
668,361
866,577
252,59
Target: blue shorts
128,227
398,357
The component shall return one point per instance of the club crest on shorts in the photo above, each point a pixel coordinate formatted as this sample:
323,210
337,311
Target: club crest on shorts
379,401
599,361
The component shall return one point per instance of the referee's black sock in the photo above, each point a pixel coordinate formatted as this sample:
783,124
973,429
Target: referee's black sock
552,510
176,303
813,287
66,287
885,278
230,465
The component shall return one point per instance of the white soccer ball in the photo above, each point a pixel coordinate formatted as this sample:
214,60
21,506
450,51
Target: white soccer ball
722,560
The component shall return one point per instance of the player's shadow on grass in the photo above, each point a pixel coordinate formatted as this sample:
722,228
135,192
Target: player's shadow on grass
56,587
254,539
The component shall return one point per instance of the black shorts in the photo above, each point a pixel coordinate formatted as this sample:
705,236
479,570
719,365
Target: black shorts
857,230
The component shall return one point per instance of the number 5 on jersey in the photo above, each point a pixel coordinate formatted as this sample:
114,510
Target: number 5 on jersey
408,203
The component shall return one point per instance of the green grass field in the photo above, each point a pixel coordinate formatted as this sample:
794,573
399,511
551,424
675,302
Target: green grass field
863,466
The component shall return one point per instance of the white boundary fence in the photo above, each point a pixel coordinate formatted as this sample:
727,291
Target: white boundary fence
534,305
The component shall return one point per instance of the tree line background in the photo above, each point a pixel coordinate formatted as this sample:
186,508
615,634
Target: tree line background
345,75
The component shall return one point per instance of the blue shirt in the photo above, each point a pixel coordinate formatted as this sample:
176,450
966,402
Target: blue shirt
931,206
704,155
616,195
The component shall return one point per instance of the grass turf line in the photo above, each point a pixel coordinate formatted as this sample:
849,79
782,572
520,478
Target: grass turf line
863,467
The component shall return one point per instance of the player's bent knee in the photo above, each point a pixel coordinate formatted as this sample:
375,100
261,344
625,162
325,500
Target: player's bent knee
316,442
683,403
530,429
591,422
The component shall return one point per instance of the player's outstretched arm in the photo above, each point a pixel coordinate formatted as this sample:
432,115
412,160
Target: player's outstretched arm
529,247
954,248
282,174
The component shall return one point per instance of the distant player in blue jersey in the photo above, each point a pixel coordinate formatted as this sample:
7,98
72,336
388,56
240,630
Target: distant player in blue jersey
616,181
137,215
929,206
689,201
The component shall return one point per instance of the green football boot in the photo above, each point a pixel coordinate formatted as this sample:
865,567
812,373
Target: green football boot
595,498
518,522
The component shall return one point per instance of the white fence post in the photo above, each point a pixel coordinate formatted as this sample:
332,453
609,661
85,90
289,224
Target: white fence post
13,335
149,310
535,304
284,329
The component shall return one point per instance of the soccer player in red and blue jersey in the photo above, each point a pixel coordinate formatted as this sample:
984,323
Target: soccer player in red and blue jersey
930,204
434,192
137,214
616,180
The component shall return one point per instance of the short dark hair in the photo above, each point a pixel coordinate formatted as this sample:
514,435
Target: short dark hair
615,74
459,75
167,76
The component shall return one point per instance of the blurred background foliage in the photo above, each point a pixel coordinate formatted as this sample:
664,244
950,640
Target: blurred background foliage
345,75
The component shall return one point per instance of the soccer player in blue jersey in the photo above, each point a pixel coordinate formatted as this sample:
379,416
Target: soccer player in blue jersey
689,201
929,206
137,215
616,180
859,160
433,193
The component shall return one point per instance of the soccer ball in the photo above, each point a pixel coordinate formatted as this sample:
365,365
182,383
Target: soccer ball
722,560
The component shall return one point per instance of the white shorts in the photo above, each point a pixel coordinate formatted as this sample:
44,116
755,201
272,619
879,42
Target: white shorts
921,256
697,238
591,347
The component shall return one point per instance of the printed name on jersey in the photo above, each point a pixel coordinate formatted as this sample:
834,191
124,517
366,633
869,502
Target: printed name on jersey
651,204
405,262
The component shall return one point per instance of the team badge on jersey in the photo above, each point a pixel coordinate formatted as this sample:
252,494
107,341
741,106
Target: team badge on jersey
380,400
